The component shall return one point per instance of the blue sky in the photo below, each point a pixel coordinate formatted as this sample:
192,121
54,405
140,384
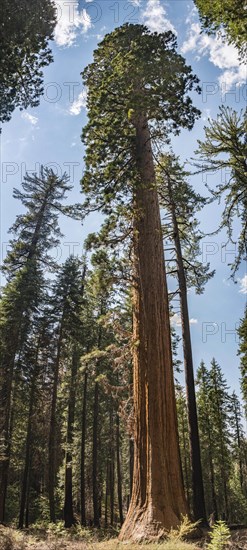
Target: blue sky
50,135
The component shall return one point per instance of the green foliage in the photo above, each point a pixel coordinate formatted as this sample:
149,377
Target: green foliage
26,28
185,529
219,537
133,70
242,351
224,150
178,196
228,16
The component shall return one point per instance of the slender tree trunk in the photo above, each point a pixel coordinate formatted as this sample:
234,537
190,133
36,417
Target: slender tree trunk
6,414
186,469
69,519
199,510
83,445
24,490
106,493
158,498
95,456
240,462
131,467
112,465
119,473
52,430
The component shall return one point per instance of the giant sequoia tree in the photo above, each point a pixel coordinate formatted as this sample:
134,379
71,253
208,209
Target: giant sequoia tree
137,91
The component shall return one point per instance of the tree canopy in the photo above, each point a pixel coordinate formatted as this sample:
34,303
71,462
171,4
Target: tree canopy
26,28
228,16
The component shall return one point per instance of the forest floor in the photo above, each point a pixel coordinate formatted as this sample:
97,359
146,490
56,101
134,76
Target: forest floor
12,539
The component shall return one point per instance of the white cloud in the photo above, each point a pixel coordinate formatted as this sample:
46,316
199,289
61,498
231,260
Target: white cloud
193,321
154,17
30,118
176,320
243,285
193,37
70,22
224,56
79,103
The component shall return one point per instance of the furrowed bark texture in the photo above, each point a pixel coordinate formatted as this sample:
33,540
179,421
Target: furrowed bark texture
158,498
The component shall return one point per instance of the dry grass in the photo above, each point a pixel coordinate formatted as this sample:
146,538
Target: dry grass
11,539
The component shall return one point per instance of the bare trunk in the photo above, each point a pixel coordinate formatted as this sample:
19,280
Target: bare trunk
199,510
112,466
106,493
95,456
119,473
69,519
83,444
52,430
24,490
158,498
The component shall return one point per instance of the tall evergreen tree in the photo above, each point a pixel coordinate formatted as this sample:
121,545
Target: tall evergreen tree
224,150
35,233
132,98
181,204
66,304
242,351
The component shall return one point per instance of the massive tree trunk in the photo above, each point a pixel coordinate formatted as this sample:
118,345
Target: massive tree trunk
69,519
83,445
199,510
158,498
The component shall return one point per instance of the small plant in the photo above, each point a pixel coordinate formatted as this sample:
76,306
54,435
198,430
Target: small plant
219,537
185,528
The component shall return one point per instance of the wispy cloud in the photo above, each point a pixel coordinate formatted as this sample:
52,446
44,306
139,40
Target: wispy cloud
243,285
154,17
223,55
79,103
70,22
30,118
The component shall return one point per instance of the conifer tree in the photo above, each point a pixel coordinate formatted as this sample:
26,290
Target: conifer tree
181,203
35,233
66,303
242,351
132,98
224,151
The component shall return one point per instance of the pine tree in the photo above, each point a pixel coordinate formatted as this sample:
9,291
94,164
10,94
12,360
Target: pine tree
227,136
65,310
132,98
242,351
207,439
36,232
181,204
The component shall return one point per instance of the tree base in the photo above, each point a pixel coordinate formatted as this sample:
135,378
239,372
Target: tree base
149,524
